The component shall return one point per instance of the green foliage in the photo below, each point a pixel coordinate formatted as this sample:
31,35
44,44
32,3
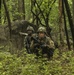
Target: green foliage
28,64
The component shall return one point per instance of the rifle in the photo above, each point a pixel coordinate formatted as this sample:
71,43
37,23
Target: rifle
42,45
28,47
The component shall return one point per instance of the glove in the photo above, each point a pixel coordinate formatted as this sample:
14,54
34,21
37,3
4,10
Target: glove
44,45
36,45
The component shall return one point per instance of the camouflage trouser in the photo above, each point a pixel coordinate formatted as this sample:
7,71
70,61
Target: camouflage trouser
46,52
50,53
36,51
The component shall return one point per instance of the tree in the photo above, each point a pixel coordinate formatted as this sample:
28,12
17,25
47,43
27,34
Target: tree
41,10
69,19
73,9
21,9
61,26
0,11
8,17
28,10
65,26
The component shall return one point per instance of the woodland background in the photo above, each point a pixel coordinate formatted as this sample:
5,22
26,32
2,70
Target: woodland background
57,16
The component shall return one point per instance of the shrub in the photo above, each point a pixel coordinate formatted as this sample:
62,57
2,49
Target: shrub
28,64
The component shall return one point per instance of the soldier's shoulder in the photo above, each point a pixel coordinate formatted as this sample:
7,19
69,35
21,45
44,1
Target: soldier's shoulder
48,38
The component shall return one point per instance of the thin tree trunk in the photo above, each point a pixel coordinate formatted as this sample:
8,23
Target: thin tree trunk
21,9
65,26
47,26
8,17
33,15
73,10
0,11
61,27
70,19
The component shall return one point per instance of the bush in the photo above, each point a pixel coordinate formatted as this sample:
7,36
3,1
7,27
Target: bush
28,64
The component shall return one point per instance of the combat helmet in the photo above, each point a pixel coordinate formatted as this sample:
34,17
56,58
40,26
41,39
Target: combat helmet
30,28
42,29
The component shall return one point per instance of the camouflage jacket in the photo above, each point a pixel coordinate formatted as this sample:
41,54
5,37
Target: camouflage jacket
28,39
47,40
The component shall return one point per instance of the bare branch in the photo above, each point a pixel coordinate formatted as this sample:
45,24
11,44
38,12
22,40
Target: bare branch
40,10
50,8
37,18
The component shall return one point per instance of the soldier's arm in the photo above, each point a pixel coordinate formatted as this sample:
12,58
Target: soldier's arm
21,33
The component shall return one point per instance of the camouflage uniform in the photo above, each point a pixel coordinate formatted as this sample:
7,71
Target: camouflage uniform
45,45
27,39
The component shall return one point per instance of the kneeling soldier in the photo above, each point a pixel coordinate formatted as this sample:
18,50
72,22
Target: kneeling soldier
27,40
42,44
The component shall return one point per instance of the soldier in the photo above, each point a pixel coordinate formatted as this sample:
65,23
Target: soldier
43,44
27,40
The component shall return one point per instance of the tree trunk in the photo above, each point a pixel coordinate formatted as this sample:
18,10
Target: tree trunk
61,27
8,17
35,18
47,26
70,19
21,9
73,10
65,26
0,11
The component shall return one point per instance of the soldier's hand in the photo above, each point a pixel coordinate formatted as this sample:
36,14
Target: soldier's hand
36,45
32,38
44,45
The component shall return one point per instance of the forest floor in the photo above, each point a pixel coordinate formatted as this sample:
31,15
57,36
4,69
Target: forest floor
62,63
